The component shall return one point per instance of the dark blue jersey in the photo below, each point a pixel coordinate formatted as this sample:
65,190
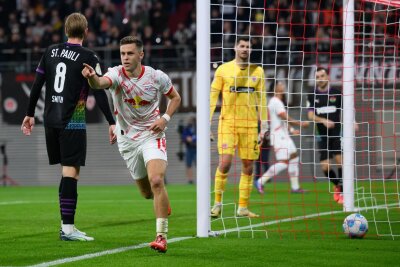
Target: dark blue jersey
66,88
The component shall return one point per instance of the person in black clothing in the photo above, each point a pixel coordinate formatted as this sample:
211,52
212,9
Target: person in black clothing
64,115
324,108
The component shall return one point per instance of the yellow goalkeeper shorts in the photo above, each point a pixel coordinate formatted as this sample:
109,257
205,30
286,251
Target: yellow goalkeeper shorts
242,138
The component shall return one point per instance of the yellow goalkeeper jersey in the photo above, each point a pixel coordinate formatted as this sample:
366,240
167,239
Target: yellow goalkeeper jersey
243,94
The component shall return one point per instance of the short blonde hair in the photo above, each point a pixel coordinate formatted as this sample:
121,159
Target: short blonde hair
76,25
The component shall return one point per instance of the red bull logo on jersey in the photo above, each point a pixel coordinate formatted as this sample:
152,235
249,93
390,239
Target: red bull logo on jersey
137,102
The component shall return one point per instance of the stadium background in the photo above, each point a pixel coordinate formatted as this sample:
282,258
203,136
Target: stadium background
168,31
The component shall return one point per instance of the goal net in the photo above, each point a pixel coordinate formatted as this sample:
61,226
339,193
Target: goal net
290,40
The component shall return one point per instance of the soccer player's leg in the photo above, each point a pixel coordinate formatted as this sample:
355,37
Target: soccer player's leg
324,158
282,157
248,150
293,171
156,170
293,168
262,163
336,151
226,150
144,187
72,156
155,160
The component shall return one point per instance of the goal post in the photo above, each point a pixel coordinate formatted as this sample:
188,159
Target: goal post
348,105
358,43
203,110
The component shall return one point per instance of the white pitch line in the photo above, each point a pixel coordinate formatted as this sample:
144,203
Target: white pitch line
102,253
19,202
178,239
5,203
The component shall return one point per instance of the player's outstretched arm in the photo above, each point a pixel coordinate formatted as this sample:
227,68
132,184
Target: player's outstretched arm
327,123
95,81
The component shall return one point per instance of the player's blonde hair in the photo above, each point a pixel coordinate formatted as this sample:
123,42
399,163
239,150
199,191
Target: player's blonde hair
75,26
132,40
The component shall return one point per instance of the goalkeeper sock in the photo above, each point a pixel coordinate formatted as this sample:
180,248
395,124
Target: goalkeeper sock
273,170
245,187
68,199
293,170
162,227
340,177
332,177
220,182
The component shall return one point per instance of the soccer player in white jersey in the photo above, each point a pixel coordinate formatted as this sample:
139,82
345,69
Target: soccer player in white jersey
136,92
284,147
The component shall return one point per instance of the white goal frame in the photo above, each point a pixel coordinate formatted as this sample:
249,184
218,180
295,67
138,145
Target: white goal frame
203,173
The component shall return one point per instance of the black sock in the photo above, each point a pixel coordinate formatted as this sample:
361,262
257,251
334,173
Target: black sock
68,199
60,186
340,183
59,193
332,177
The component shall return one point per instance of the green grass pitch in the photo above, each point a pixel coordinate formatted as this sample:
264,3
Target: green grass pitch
120,219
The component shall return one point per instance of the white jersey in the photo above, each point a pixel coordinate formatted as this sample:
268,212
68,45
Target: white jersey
283,145
136,100
276,108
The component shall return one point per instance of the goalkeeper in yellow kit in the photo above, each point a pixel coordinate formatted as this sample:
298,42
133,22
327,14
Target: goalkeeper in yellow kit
242,86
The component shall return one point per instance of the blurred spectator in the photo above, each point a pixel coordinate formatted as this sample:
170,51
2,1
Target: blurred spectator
114,15
216,26
35,46
148,39
134,7
182,34
15,45
113,38
189,138
38,29
28,38
168,52
13,25
191,25
229,38
91,40
158,18
93,18
3,44
141,17
173,22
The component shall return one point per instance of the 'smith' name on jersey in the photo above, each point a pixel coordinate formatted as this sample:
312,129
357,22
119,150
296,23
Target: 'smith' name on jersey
57,99
65,53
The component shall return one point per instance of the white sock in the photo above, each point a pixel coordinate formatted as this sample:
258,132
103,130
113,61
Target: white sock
272,171
294,173
162,227
67,228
